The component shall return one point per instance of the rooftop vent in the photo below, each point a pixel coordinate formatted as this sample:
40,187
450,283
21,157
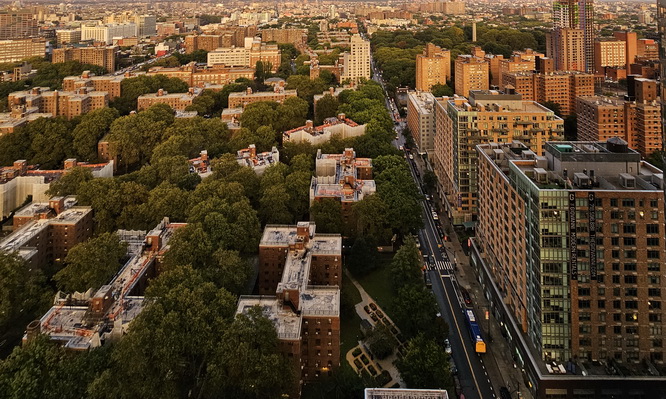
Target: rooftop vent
627,180
581,180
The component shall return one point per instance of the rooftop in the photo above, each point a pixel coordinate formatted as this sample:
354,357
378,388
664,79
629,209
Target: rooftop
497,101
404,393
282,235
422,101
328,123
249,157
287,323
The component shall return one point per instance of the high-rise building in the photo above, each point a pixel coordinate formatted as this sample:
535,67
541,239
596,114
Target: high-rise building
570,251
566,46
421,120
488,116
17,25
661,24
630,39
247,56
432,67
561,88
609,53
146,25
638,122
101,56
20,49
68,36
471,73
357,60
106,33
574,14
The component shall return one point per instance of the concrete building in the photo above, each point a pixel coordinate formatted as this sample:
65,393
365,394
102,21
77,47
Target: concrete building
405,393
20,49
257,161
471,73
342,126
146,25
573,23
432,67
46,231
68,36
18,24
196,76
356,63
638,122
421,120
569,250
177,101
343,177
297,37
248,55
82,321
609,53
108,32
60,103
300,274
567,47
101,56
107,83
560,87
488,116
242,99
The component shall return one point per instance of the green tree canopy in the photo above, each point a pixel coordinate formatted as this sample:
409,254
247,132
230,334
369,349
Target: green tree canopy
327,215
425,365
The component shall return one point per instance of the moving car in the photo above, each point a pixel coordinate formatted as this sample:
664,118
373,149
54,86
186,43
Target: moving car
465,296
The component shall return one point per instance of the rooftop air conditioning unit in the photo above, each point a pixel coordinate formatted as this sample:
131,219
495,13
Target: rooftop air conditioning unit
627,180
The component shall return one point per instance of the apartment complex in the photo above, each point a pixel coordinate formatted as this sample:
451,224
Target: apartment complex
101,56
570,251
567,47
68,36
17,24
83,321
421,120
432,67
316,135
356,62
561,88
343,177
20,49
19,116
488,116
630,40
46,231
638,122
177,101
242,99
247,56
471,73
297,37
257,161
107,83
60,103
609,53
573,33
300,274
196,76
206,42
405,393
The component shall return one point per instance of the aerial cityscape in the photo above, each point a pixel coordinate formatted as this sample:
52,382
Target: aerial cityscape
318,199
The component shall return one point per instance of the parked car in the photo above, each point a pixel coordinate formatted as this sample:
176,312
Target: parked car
465,296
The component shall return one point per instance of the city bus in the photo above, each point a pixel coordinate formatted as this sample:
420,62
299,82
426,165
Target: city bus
475,332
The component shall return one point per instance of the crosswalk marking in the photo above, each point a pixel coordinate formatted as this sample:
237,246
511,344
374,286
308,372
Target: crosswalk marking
442,265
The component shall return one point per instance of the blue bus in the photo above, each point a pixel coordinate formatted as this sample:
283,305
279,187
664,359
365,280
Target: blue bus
475,332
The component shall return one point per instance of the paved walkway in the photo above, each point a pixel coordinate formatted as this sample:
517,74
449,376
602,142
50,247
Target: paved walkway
385,364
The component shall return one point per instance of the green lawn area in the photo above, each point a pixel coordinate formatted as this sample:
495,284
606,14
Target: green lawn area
350,324
378,283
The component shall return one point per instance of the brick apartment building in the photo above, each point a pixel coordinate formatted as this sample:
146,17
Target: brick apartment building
343,177
101,56
316,135
45,231
297,37
300,274
19,116
486,117
177,101
110,84
20,49
60,103
472,72
590,302
432,67
200,77
242,99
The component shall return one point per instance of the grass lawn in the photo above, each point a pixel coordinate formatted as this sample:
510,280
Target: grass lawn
350,324
378,283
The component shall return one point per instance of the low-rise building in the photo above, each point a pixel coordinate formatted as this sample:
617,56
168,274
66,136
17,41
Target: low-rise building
242,99
248,55
46,231
196,76
21,181
177,101
60,103
108,83
83,321
300,274
343,177
342,126
257,161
